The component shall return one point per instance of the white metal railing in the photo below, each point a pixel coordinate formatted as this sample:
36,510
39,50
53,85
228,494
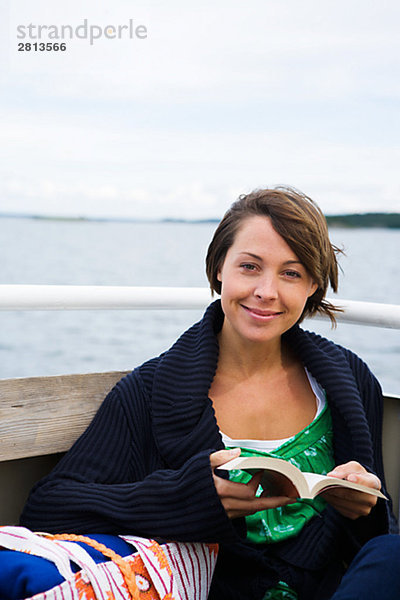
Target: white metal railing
73,297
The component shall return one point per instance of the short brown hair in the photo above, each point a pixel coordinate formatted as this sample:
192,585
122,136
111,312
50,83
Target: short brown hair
300,222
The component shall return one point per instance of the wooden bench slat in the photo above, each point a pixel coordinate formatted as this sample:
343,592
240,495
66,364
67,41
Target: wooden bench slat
45,415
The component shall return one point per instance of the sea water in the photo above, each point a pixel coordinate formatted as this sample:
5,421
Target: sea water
36,251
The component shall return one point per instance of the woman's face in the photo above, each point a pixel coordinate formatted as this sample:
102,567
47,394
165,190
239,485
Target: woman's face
264,286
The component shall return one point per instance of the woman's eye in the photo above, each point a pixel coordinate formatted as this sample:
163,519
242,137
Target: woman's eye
292,274
248,267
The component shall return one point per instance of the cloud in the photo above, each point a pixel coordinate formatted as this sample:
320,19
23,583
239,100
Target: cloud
220,98
318,50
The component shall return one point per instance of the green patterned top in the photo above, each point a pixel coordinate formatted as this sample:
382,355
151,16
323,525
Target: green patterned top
311,450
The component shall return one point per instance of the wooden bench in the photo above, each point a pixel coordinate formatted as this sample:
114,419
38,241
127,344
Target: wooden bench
40,418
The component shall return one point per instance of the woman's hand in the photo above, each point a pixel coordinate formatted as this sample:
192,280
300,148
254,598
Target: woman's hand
239,499
351,503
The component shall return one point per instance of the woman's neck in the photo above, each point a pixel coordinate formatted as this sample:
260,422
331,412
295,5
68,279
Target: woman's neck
245,358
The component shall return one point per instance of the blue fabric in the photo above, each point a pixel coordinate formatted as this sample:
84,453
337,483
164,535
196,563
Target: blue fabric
374,572
24,575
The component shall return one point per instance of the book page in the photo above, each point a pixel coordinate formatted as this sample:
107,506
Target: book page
280,478
319,483
277,484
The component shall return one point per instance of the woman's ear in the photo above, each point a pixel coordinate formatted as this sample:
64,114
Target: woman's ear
219,278
313,289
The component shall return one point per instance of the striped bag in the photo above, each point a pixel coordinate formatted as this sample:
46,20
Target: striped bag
171,571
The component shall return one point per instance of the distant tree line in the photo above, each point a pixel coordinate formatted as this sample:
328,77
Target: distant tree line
391,220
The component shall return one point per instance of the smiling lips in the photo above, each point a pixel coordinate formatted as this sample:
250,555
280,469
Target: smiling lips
262,314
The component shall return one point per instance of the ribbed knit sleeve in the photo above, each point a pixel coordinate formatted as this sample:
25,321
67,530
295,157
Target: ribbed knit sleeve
113,480
371,394
382,519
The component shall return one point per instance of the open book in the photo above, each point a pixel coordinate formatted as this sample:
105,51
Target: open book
281,478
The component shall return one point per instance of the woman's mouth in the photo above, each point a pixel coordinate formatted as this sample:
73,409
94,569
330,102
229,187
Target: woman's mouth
262,315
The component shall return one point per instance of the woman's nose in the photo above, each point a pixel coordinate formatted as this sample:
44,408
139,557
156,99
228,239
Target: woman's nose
267,287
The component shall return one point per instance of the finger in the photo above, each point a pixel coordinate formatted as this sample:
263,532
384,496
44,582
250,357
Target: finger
244,493
342,471
236,508
223,456
355,473
352,511
349,503
367,479
350,497
234,489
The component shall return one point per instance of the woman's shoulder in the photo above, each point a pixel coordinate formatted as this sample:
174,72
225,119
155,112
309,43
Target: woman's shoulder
327,346
140,379
338,356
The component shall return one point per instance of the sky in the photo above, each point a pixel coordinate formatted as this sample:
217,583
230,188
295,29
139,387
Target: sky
205,101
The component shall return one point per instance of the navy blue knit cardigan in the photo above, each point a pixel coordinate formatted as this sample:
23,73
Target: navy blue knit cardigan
142,467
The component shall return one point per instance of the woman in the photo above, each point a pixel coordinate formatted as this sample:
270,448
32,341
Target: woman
249,375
